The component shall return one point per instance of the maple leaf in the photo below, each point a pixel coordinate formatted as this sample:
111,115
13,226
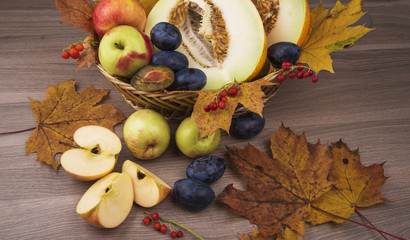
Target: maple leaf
61,113
329,32
288,234
250,96
355,186
89,55
255,235
78,13
279,189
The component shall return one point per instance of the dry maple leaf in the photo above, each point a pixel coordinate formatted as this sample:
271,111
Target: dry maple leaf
78,13
329,32
288,234
255,235
89,55
61,113
250,96
355,186
279,189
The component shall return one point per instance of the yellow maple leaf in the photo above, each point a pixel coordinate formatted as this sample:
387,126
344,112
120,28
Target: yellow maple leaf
330,31
288,234
250,96
255,235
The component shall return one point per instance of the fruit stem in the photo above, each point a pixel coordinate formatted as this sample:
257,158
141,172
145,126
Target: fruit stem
179,225
364,218
361,224
93,43
25,130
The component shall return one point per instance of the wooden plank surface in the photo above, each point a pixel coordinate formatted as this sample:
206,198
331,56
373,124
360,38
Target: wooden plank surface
366,103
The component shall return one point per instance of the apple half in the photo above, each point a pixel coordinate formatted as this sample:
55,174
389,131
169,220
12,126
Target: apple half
108,201
149,190
285,20
97,155
225,39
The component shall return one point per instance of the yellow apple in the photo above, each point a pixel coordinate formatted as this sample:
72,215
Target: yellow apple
108,201
97,155
149,190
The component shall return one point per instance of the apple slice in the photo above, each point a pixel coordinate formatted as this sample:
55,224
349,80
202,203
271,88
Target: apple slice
108,201
96,157
149,190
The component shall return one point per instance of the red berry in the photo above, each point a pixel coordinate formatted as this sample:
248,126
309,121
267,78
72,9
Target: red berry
223,93
79,47
286,65
65,54
155,216
180,234
174,234
306,75
146,220
299,68
300,74
224,99
213,106
310,73
281,77
315,79
74,52
164,229
157,226
233,91
292,75
222,105
207,108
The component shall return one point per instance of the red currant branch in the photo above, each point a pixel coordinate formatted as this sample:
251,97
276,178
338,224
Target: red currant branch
361,224
155,217
73,50
19,131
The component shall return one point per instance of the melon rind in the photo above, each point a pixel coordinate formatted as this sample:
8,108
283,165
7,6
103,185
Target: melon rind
247,48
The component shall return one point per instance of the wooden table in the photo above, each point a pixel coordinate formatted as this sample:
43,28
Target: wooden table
366,103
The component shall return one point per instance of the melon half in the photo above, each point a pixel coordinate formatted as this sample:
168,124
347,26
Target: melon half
225,39
284,20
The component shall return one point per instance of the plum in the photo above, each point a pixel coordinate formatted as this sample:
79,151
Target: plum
207,169
174,60
283,51
166,36
188,79
193,194
247,125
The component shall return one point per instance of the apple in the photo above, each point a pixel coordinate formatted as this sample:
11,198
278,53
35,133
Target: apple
189,142
124,50
149,190
111,13
146,134
108,201
97,155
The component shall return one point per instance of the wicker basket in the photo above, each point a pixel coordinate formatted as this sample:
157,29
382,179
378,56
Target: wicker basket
172,105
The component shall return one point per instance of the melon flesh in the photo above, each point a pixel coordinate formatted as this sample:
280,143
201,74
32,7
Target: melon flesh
246,48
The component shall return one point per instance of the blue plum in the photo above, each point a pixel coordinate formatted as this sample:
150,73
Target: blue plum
174,60
188,79
207,169
283,51
193,194
247,125
166,36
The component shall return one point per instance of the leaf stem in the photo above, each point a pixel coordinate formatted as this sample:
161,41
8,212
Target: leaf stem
371,224
179,225
361,224
25,130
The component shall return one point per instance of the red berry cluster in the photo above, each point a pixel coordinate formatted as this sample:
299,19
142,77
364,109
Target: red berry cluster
72,51
159,226
300,73
221,99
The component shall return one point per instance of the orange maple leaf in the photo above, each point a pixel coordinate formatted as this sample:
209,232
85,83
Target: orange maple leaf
61,113
78,13
250,96
280,189
355,186
89,55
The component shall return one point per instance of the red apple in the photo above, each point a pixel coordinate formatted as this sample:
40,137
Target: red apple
111,13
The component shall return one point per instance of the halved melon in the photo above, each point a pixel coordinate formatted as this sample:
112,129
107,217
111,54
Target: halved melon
225,39
284,20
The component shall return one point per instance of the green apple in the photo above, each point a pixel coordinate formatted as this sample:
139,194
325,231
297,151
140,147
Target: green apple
124,50
108,201
97,155
149,190
146,134
189,142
